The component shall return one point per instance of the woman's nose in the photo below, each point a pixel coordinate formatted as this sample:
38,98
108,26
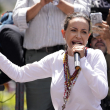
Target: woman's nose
78,35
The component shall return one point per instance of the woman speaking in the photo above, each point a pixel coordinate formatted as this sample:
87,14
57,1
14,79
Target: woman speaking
71,89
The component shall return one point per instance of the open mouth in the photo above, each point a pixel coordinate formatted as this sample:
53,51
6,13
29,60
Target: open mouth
73,42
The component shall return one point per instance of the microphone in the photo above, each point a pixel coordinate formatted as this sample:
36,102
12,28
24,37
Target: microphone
77,60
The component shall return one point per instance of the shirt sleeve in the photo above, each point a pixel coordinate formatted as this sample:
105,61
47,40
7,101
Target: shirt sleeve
19,14
83,6
29,72
96,74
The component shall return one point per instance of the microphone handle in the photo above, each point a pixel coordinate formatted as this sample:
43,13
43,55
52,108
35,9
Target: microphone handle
77,60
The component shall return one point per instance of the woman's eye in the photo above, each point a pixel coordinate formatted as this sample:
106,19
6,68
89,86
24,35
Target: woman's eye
84,32
73,30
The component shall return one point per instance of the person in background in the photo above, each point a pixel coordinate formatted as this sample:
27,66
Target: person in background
71,88
42,21
102,42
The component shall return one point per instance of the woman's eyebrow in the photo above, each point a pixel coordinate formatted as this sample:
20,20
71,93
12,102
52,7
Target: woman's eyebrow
76,28
84,29
73,27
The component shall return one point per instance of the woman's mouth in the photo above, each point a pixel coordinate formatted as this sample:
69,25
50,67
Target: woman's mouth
74,42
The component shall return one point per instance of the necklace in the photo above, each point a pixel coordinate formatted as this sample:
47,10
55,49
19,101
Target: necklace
69,79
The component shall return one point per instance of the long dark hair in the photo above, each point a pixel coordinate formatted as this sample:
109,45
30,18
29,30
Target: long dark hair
89,40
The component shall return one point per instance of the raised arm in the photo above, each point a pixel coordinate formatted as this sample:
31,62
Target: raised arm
29,72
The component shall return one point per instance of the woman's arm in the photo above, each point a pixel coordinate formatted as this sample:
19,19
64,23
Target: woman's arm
29,72
96,74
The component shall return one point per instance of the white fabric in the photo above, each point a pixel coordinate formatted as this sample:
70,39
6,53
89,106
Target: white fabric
90,87
45,29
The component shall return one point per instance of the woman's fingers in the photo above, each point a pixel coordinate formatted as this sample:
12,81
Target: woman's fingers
80,49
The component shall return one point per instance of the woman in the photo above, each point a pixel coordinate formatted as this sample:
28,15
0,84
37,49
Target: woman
79,90
42,21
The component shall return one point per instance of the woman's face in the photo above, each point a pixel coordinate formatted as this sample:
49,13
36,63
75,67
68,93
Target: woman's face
77,32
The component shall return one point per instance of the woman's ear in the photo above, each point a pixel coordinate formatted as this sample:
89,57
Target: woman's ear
63,32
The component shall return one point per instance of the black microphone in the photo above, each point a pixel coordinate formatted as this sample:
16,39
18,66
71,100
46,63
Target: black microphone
77,60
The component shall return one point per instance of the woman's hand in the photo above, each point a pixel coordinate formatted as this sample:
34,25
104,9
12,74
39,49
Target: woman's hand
80,49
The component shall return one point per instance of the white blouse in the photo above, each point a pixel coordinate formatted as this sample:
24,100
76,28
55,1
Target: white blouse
91,85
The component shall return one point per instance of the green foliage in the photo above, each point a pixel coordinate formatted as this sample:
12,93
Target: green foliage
9,104
1,9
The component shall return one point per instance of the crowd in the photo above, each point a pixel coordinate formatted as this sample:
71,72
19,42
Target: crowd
36,55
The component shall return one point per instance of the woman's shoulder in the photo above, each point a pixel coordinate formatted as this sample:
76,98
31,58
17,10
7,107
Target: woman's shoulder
94,52
57,54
